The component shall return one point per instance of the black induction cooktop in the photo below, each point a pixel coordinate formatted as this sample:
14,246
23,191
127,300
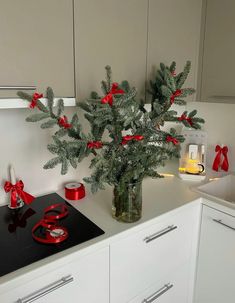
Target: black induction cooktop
17,246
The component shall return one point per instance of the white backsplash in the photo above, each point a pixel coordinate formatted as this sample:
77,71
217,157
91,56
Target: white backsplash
24,144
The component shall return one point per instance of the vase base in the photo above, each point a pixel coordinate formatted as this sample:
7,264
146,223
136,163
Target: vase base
127,217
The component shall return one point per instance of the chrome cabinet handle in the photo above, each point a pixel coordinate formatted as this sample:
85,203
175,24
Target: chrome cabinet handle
46,290
160,233
20,87
220,222
158,293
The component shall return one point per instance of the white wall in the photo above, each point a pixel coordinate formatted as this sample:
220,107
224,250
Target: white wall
25,146
220,127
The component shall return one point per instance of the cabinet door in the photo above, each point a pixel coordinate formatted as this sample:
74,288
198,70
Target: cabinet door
174,35
218,52
110,32
216,263
85,280
146,257
36,46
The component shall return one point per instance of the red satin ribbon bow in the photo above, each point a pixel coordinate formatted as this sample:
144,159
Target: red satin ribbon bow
183,117
15,190
172,139
63,122
35,98
109,97
128,138
217,161
94,144
176,94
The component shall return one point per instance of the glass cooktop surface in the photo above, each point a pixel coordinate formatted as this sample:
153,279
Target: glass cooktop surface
17,246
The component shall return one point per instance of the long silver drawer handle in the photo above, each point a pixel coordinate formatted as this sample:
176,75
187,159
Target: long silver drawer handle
160,233
158,293
220,222
46,290
15,87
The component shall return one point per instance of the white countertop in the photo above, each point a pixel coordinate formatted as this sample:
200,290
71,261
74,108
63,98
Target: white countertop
160,197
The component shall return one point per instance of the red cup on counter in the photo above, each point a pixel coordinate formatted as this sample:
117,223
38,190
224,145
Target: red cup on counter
74,191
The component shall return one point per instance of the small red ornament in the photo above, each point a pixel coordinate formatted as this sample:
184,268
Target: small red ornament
63,122
172,139
128,138
176,94
109,97
94,144
173,73
34,100
17,190
183,117
217,161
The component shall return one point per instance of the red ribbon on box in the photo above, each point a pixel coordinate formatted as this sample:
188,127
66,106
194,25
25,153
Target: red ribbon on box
15,190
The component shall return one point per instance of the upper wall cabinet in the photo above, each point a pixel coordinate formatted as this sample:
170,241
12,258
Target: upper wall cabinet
217,83
36,46
174,35
110,32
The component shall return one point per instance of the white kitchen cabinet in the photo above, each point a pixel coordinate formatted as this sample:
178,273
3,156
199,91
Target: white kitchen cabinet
149,258
110,32
36,46
216,262
174,35
83,280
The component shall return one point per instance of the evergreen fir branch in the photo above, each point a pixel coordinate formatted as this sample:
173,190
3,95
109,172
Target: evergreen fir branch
180,101
192,113
61,132
52,163
94,95
54,149
24,96
182,78
60,107
187,92
50,100
50,123
108,77
173,67
42,107
64,166
105,87
170,81
85,106
125,86
166,91
37,117
73,162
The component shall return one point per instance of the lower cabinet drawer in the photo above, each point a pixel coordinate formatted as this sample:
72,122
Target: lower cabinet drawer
70,283
142,259
170,289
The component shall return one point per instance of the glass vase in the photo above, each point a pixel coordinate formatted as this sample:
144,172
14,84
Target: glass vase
127,204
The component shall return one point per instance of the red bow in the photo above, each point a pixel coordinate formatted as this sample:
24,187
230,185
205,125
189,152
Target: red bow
63,122
172,139
127,138
94,144
34,100
176,94
183,117
109,97
221,151
15,190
